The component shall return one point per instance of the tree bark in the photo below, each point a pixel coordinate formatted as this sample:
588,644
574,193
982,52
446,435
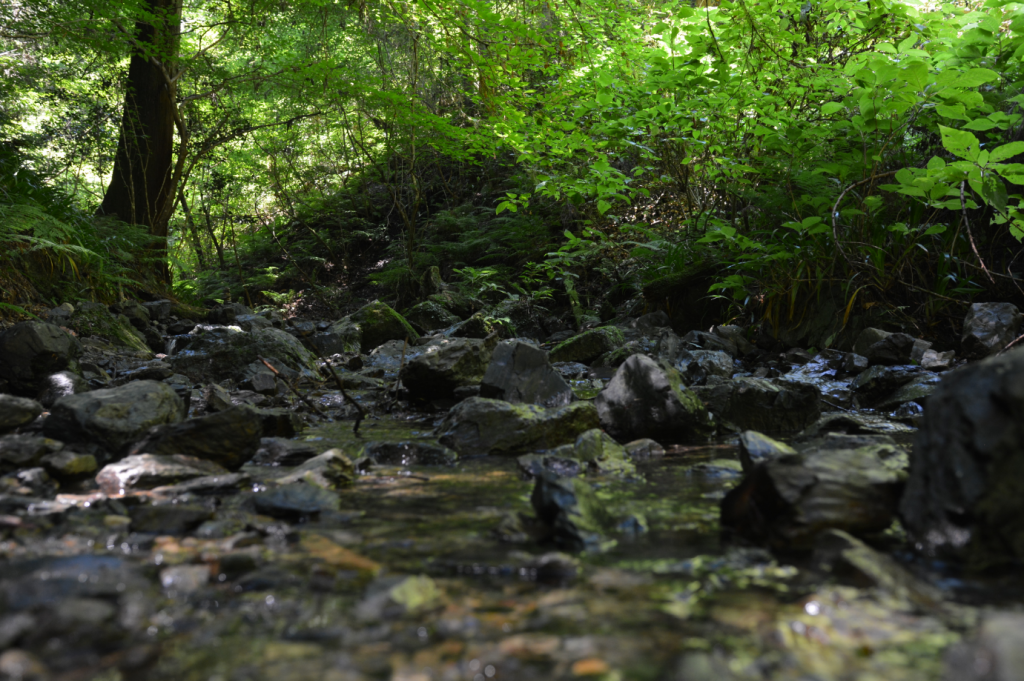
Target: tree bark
141,187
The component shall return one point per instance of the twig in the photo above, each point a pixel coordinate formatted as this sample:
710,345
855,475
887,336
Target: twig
293,389
970,234
1011,344
341,386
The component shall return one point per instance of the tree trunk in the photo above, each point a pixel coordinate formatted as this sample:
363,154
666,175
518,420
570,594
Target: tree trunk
140,189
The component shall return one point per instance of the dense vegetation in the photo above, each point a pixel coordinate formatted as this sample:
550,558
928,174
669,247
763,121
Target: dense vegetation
289,153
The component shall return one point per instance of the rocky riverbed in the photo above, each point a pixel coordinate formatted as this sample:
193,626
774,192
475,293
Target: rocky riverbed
241,497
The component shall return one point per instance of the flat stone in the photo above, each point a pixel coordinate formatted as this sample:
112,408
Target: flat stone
146,471
278,451
69,464
209,485
295,500
229,438
644,448
329,470
483,426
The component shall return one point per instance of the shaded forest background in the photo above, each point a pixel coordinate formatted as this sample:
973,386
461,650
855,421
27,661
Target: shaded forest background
585,155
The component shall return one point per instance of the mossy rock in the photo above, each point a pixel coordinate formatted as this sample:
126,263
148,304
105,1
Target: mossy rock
483,426
94,319
430,315
457,303
589,345
481,326
378,324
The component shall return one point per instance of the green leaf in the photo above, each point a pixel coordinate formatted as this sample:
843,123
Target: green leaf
603,206
955,112
936,163
906,44
1006,151
831,108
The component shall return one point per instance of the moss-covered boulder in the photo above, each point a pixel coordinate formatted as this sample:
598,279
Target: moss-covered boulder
430,315
447,364
646,398
214,353
602,454
378,324
94,319
481,326
456,302
483,426
588,346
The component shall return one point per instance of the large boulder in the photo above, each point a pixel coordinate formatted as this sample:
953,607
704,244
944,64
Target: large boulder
646,398
113,417
447,364
31,351
965,495
770,407
483,426
788,500
17,411
214,353
588,346
149,471
988,328
520,372
229,438
429,315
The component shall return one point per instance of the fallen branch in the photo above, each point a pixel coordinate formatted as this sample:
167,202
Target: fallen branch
341,387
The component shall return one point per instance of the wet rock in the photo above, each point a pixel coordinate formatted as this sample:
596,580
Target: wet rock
146,471
215,353
756,448
644,448
447,364
697,366
95,319
569,508
526,318
227,313
702,340
588,346
648,399
483,426
854,424
571,370
251,322
329,470
937,361
480,325
789,500
994,653
867,338
168,518
893,349
737,336
652,321
149,371
602,454
114,417
521,373
965,496
408,454
31,351
184,579
534,465
277,451
429,316
342,337
261,383
69,465
879,381
769,406
159,310
988,328
209,485
295,501
228,438
17,411
917,390
34,482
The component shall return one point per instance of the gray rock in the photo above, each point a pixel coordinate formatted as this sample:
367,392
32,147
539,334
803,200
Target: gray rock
137,315
648,399
879,381
854,424
696,366
965,497
227,313
159,310
229,438
295,501
893,349
447,364
588,346
994,653
329,470
988,328
69,464
652,321
482,426
147,471
429,316
917,390
644,448
113,417
17,411
867,338
602,454
31,351
207,485
736,335
95,319
520,372
534,465
854,363
61,384
772,407
251,322
756,448
215,353
937,361
702,340
787,501
569,508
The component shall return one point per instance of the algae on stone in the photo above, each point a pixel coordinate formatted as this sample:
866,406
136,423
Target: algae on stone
94,319
588,346
483,426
